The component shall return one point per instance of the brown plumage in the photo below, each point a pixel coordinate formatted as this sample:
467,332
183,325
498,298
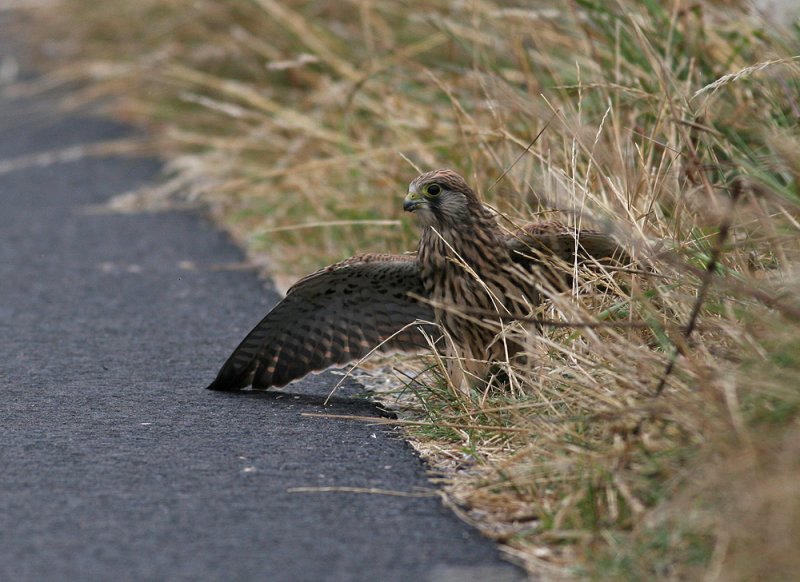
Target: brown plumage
465,268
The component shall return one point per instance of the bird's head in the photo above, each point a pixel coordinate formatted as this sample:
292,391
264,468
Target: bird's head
440,198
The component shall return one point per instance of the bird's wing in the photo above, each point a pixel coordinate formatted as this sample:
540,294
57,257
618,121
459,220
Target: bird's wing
553,239
333,316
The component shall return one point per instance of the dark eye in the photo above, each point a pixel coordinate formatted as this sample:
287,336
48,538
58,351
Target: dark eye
433,190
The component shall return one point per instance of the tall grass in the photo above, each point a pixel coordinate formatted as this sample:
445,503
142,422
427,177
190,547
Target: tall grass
669,451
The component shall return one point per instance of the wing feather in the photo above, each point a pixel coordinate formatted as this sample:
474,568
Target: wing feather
549,249
333,316
553,239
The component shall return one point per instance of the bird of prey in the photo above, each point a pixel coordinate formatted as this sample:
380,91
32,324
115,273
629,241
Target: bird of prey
465,269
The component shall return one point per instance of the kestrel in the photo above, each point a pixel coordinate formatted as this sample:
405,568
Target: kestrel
465,269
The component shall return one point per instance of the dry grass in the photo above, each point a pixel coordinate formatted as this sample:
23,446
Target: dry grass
674,126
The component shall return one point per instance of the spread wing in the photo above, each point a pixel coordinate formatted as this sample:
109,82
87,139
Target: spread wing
553,239
534,247
333,316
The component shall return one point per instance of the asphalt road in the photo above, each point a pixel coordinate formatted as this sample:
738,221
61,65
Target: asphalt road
115,462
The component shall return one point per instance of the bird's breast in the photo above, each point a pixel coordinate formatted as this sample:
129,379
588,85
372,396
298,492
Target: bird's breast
466,275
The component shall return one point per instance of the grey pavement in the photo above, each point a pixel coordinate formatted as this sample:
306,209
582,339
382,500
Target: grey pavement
115,462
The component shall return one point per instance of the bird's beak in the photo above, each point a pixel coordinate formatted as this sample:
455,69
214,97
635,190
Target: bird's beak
412,201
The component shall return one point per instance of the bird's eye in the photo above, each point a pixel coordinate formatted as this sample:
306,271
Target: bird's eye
433,190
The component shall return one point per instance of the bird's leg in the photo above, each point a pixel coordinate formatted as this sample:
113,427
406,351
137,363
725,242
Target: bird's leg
509,351
456,376
464,371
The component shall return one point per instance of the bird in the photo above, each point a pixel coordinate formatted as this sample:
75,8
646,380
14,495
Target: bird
466,281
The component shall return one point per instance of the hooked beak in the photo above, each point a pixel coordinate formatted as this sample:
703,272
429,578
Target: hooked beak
413,201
